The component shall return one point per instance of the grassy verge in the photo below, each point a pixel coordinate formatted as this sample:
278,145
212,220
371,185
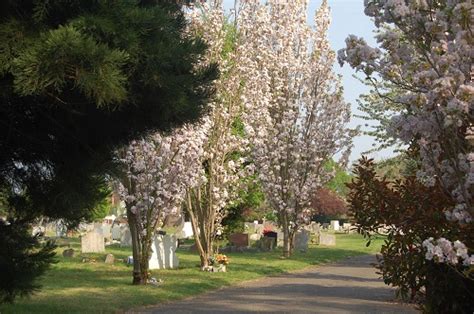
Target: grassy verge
72,286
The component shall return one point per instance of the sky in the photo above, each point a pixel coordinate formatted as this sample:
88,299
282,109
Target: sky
347,17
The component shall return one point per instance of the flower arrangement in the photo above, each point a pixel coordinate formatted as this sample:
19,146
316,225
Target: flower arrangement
267,230
222,259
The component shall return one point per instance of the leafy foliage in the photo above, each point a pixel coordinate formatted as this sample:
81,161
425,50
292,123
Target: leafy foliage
22,261
412,212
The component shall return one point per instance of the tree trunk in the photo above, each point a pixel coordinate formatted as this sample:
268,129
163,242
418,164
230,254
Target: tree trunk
138,278
202,229
286,236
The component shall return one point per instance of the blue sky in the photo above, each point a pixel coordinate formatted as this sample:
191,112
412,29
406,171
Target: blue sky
347,17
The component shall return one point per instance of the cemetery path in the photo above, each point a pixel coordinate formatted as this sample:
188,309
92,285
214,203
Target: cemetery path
349,286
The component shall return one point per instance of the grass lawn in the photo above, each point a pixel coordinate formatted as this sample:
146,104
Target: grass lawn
72,286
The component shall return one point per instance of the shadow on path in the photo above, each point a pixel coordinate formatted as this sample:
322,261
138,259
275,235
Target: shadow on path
351,286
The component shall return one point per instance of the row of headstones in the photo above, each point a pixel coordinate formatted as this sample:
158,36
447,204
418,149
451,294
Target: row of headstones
163,247
272,239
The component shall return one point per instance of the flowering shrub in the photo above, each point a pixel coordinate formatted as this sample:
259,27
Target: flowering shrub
413,212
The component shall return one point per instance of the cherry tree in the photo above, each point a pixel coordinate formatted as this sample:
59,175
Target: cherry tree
223,159
426,54
157,171
295,113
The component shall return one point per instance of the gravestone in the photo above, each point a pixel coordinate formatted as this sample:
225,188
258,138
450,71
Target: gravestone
301,240
92,242
314,227
61,230
163,252
188,230
327,239
106,231
116,232
249,227
335,225
325,226
255,236
126,238
109,259
280,238
68,253
259,228
267,243
239,239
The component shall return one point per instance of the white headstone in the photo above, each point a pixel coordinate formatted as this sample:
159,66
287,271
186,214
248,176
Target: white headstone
255,236
280,237
335,225
92,242
188,229
163,252
327,239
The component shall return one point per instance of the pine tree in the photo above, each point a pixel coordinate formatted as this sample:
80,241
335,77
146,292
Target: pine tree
79,78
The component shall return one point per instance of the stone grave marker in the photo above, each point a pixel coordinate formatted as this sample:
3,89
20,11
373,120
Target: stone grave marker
239,239
164,252
280,238
106,231
255,236
315,227
335,225
116,232
92,242
68,253
249,227
188,230
109,259
327,239
301,240
126,237
267,243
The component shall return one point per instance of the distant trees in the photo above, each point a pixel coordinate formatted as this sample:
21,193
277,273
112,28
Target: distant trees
325,202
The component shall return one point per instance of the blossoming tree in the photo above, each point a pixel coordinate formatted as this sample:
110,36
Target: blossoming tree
296,115
157,171
222,161
427,57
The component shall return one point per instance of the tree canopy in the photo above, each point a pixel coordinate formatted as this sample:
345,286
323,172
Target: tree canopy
79,78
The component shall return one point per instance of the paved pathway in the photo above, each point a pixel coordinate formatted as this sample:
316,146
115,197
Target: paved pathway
350,286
